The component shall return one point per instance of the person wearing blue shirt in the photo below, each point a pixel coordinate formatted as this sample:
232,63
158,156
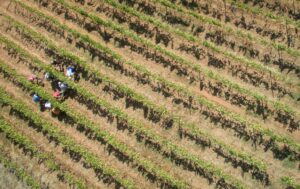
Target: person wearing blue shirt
36,98
70,72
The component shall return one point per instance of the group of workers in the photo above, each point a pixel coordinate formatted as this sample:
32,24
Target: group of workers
60,89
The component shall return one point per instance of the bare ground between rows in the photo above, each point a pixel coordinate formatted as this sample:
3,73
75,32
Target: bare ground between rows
116,77
170,134
93,146
272,123
157,69
125,136
250,87
86,112
43,144
178,40
160,161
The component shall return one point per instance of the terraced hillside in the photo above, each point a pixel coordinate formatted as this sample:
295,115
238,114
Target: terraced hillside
150,94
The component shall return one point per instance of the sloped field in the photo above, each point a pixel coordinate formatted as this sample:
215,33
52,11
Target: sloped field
166,94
